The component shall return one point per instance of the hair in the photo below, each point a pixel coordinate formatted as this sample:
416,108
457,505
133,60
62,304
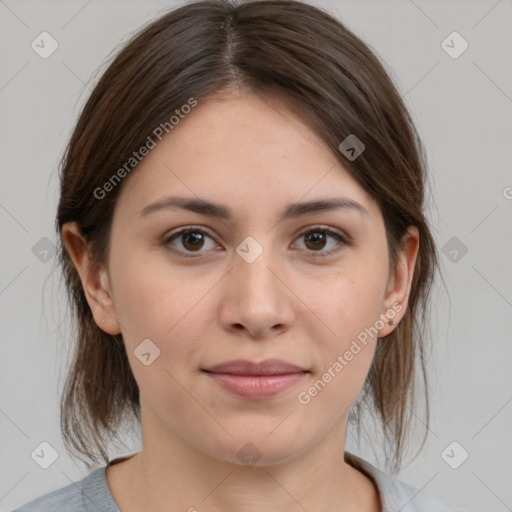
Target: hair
283,49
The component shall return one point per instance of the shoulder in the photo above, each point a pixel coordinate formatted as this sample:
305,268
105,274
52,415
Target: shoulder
397,495
87,495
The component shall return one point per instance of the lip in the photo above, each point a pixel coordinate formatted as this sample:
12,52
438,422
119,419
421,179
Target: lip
266,367
256,380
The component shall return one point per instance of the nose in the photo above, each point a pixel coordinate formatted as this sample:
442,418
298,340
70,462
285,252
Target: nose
257,299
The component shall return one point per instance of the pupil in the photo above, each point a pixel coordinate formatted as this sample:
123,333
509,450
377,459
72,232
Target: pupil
192,239
316,238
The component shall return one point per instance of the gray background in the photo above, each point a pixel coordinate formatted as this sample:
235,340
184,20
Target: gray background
463,110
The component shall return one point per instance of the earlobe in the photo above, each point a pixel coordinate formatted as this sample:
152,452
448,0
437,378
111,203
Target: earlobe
94,279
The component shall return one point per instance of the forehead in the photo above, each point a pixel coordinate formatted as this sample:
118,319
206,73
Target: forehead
243,150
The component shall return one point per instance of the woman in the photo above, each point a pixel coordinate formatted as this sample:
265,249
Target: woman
245,248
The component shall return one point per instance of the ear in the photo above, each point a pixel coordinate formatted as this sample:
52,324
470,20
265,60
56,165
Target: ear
399,282
94,279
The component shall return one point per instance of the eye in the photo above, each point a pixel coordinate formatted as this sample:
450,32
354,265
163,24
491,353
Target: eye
191,240
317,239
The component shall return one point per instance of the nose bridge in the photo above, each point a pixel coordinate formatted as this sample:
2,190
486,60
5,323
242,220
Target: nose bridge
252,271
256,298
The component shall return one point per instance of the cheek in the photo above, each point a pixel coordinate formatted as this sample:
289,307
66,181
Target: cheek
349,301
171,309
151,297
349,304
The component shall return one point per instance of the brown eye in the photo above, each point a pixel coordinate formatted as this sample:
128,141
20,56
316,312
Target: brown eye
188,241
192,240
315,240
318,239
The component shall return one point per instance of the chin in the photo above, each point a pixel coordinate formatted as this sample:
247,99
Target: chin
259,447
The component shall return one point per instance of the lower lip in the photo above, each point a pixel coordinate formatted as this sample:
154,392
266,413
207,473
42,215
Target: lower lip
256,386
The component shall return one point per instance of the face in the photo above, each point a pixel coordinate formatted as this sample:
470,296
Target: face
262,281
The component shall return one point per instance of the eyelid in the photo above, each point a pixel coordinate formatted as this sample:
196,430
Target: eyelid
324,227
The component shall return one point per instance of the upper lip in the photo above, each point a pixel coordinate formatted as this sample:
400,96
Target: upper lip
244,367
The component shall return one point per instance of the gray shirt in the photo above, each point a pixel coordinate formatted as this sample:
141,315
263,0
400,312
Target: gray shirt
92,494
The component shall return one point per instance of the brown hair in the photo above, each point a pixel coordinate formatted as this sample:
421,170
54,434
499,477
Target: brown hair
282,48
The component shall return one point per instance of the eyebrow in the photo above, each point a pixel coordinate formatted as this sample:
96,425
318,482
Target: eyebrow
292,210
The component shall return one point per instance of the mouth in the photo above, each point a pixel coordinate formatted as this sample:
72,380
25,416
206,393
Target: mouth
256,380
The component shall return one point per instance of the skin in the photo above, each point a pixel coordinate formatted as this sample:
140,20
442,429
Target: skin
254,156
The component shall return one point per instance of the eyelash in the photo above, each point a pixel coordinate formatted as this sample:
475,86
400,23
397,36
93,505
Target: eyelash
192,229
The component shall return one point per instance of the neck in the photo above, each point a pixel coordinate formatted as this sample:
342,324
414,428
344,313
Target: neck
173,472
